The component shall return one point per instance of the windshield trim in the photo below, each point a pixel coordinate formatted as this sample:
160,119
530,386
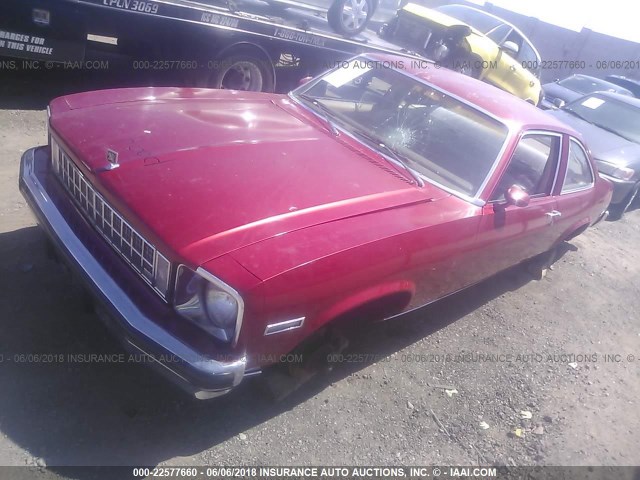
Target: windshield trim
473,199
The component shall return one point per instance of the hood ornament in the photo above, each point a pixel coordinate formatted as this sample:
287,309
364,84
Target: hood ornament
112,158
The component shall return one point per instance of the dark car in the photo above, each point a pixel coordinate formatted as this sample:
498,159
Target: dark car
556,94
628,83
610,123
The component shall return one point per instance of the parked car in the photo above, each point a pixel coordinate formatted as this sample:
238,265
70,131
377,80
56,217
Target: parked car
472,42
629,83
219,230
560,92
611,124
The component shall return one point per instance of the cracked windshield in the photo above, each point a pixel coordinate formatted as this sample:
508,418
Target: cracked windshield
440,138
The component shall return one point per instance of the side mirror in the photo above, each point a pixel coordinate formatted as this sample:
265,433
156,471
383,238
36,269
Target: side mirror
517,196
304,80
511,48
558,103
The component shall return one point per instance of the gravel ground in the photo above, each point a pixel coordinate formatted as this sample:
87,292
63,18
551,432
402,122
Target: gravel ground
449,385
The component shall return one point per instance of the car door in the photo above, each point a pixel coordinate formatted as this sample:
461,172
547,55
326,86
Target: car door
575,199
509,234
514,78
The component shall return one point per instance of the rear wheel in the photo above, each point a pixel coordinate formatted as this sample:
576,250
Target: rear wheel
349,17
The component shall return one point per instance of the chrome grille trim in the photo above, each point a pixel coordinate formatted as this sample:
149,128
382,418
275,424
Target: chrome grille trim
140,254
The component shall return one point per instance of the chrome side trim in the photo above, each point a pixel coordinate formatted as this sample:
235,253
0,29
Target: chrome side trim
285,326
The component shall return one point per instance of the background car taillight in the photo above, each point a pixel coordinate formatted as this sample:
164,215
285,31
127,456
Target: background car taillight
209,303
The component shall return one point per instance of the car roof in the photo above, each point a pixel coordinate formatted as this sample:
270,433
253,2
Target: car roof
508,108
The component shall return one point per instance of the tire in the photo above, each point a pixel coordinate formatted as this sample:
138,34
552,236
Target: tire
349,17
243,71
617,211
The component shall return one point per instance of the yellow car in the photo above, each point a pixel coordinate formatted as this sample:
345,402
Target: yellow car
472,42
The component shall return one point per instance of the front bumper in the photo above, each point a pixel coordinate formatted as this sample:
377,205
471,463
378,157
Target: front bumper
621,188
192,370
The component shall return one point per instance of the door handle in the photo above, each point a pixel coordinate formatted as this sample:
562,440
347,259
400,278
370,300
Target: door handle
552,215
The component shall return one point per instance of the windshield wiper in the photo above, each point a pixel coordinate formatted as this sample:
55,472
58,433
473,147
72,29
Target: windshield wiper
392,153
325,113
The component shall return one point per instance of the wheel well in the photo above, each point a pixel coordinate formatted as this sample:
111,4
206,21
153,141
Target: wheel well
348,322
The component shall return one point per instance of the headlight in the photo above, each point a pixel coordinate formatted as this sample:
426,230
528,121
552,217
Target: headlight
209,303
622,173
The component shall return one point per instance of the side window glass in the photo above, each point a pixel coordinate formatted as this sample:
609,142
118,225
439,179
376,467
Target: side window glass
499,33
579,174
532,166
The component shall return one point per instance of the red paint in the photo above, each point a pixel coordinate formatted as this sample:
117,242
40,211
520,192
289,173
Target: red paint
256,190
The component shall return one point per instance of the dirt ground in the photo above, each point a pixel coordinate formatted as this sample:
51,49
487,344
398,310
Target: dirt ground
509,345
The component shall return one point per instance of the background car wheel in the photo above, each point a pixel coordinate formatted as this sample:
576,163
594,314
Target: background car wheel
243,72
616,212
349,17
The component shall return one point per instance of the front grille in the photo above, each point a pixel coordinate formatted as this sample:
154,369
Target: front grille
140,254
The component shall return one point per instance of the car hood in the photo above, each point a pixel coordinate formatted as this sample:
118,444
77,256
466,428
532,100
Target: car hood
605,146
205,172
555,90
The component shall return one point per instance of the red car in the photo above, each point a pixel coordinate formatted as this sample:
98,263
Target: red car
218,230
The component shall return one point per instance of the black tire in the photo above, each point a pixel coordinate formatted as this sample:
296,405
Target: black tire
243,71
617,211
349,17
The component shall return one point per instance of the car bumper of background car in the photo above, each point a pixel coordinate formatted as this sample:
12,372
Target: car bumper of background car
201,376
621,188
